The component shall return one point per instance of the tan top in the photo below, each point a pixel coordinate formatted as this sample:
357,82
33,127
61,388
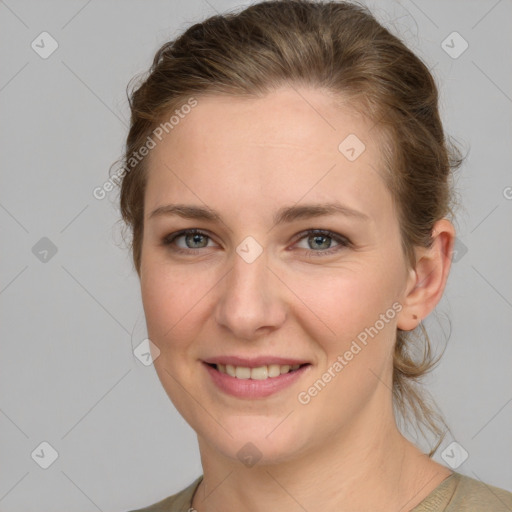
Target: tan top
457,493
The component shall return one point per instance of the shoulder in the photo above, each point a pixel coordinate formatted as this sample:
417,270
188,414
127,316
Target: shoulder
475,496
179,502
461,493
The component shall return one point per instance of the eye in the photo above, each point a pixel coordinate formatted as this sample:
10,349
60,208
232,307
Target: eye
193,239
320,240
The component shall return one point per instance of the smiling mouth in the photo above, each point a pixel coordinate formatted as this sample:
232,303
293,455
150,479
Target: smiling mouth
258,373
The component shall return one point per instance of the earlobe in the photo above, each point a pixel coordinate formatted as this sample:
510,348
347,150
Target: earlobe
429,276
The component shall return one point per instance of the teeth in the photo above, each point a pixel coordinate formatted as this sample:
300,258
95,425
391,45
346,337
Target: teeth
258,373
241,372
274,370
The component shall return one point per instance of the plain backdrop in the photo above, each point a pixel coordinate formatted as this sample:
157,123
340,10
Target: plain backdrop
70,299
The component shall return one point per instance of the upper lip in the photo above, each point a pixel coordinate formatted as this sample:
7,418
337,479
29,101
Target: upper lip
253,362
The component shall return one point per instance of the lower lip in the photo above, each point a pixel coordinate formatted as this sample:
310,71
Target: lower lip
253,388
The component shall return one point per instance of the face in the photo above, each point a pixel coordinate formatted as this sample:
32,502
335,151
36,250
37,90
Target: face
269,276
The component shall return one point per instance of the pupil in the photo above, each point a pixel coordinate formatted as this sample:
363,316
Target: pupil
196,238
321,237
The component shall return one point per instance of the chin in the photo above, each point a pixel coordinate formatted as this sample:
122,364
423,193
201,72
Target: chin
256,440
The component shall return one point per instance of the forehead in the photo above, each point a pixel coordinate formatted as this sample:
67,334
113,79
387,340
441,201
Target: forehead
289,144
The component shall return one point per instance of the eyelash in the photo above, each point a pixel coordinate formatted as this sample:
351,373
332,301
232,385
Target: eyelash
342,241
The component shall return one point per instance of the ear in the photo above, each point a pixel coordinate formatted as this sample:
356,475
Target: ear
428,278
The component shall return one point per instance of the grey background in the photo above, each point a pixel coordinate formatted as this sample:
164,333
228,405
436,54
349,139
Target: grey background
67,371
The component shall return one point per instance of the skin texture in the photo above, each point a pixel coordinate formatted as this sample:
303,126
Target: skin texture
245,159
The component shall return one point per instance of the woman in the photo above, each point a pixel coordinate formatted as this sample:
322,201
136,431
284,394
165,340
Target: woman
287,185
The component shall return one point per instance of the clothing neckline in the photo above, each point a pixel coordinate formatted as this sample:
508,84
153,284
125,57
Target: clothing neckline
433,499
440,495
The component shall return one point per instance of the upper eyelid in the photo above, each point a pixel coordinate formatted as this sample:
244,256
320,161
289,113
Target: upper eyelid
184,232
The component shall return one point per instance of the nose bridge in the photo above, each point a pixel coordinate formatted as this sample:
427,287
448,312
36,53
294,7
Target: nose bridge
249,299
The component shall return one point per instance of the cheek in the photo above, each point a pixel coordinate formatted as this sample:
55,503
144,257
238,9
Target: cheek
356,357
174,299
345,301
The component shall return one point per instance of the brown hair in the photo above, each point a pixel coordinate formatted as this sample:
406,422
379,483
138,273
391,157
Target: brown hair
341,48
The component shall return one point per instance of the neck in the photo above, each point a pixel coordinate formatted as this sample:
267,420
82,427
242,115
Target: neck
369,466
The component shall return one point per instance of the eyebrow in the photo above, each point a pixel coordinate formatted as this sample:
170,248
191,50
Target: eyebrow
283,215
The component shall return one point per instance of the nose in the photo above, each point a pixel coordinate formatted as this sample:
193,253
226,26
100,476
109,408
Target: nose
250,302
